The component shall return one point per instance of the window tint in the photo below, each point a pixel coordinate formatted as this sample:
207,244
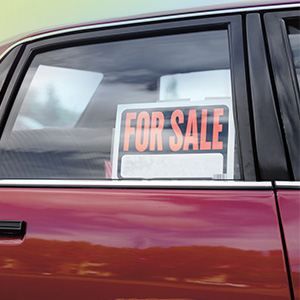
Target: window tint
156,107
294,38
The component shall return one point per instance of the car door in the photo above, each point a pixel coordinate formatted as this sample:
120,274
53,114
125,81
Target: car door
128,168
284,53
289,203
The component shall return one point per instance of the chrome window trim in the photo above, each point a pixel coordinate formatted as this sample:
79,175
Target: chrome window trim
179,15
136,184
287,185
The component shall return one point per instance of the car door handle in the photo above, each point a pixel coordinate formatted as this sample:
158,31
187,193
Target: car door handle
12,229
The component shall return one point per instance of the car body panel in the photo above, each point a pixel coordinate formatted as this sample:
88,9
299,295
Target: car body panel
142,243
289,203
136,15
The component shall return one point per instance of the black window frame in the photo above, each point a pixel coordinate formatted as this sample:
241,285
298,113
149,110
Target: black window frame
286,86
270,147
7,66
123,31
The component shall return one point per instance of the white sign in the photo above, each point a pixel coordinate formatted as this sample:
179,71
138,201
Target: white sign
174,140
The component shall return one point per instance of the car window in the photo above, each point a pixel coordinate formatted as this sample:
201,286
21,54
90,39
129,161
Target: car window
153,107
56,97
293,28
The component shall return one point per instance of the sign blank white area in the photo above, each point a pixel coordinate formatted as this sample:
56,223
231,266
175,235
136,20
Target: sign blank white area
195,85
204,165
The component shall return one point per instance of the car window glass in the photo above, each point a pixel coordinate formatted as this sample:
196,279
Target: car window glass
56,97
156,107
294,38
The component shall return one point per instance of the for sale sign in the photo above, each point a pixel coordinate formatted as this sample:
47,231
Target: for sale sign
174,140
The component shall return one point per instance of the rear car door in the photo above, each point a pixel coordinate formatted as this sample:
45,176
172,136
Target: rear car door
283,31
128,168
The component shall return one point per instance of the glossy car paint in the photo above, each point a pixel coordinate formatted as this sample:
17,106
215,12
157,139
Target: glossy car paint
289,203
142,244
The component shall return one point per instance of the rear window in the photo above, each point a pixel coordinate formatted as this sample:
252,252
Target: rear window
147,108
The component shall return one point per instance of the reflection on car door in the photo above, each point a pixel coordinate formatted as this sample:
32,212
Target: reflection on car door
143,243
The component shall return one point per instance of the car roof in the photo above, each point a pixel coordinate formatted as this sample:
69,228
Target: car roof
214,7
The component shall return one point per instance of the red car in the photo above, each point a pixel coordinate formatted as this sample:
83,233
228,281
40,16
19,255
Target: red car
153,158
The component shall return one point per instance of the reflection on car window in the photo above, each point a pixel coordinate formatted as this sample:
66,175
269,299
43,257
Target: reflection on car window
196,85
294,38
56,97
157,107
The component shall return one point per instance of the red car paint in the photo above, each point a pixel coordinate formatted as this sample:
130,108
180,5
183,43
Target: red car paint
289,203
143,244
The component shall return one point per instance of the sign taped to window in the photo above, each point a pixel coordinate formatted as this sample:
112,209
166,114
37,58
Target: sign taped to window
181,139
